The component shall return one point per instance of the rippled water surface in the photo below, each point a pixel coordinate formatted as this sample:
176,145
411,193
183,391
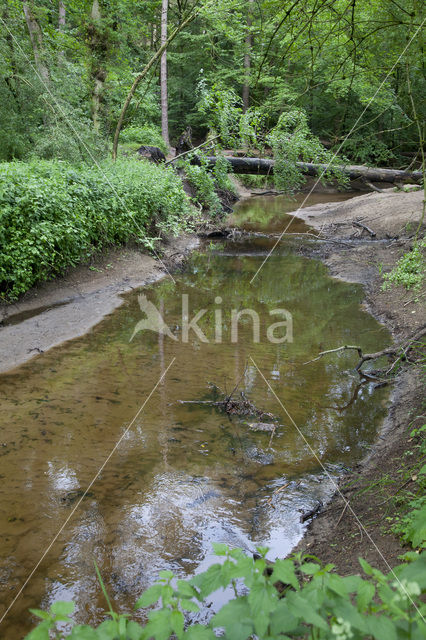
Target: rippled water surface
183,475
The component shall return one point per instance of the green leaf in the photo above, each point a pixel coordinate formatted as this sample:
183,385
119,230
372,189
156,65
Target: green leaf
166,574
186,590
149,596
41,632
210,580
220,549
310,568
235,618
62,608
366,592
159,625
198,632
381,628
285,572
82,632
365,566
189,605
176,622
262,600
44,615
305,609
337,584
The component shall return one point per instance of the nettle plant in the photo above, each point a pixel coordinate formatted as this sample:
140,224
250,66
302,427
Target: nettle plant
292,141
293,598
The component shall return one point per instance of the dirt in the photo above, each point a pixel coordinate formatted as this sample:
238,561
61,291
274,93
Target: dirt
70,306
357,521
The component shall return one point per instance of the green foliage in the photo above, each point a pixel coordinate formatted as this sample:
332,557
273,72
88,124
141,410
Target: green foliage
292,141
409,271
410,523
143,135
223,112
314,603
54,215
203,182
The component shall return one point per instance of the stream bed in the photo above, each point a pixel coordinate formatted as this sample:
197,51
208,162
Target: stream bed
184,474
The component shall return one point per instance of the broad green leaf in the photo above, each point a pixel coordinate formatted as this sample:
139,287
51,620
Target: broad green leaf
210,580
186,590
336,584
198,632
149,596
234,617
305,609
177,622
41,632
83,632
166,574
159,625
310,568
285,572
365,594
62,608
365,566
220,549
189,605
381,628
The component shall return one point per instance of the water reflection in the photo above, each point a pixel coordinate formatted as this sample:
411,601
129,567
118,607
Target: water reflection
183,475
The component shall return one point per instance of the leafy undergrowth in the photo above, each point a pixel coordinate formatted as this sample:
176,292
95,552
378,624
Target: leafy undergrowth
409,271
54,215
296,598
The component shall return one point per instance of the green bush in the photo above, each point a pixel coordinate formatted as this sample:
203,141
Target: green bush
204,184
54,215
409,270
314,603
146,135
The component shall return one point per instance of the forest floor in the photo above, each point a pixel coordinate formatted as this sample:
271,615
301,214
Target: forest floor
358,520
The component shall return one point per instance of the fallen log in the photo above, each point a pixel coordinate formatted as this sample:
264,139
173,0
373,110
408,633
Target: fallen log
263,166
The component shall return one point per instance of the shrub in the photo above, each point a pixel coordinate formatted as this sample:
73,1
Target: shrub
409,270
54,215
317,603
146,135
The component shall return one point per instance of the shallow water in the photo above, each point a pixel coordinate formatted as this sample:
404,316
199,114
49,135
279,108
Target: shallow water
268,213
183,475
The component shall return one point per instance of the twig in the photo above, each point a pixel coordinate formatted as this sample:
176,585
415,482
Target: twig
390,351
365,228
343,512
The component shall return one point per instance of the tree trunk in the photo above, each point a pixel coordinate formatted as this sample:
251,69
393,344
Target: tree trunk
36,37
163,76
247,58
142,75
98,46
61,18
260,166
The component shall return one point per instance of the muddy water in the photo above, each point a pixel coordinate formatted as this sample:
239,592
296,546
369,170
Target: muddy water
183,475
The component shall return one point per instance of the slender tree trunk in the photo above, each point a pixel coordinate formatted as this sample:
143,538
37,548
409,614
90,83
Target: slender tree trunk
247,58
163,76
98,73
62,14
142,75
36,37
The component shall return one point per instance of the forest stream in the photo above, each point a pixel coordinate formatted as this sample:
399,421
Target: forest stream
185,474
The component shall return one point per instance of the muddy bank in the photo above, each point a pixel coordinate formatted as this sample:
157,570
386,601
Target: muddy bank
336,535
68,307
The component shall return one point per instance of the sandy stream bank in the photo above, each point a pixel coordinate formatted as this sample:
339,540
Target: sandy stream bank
68,307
